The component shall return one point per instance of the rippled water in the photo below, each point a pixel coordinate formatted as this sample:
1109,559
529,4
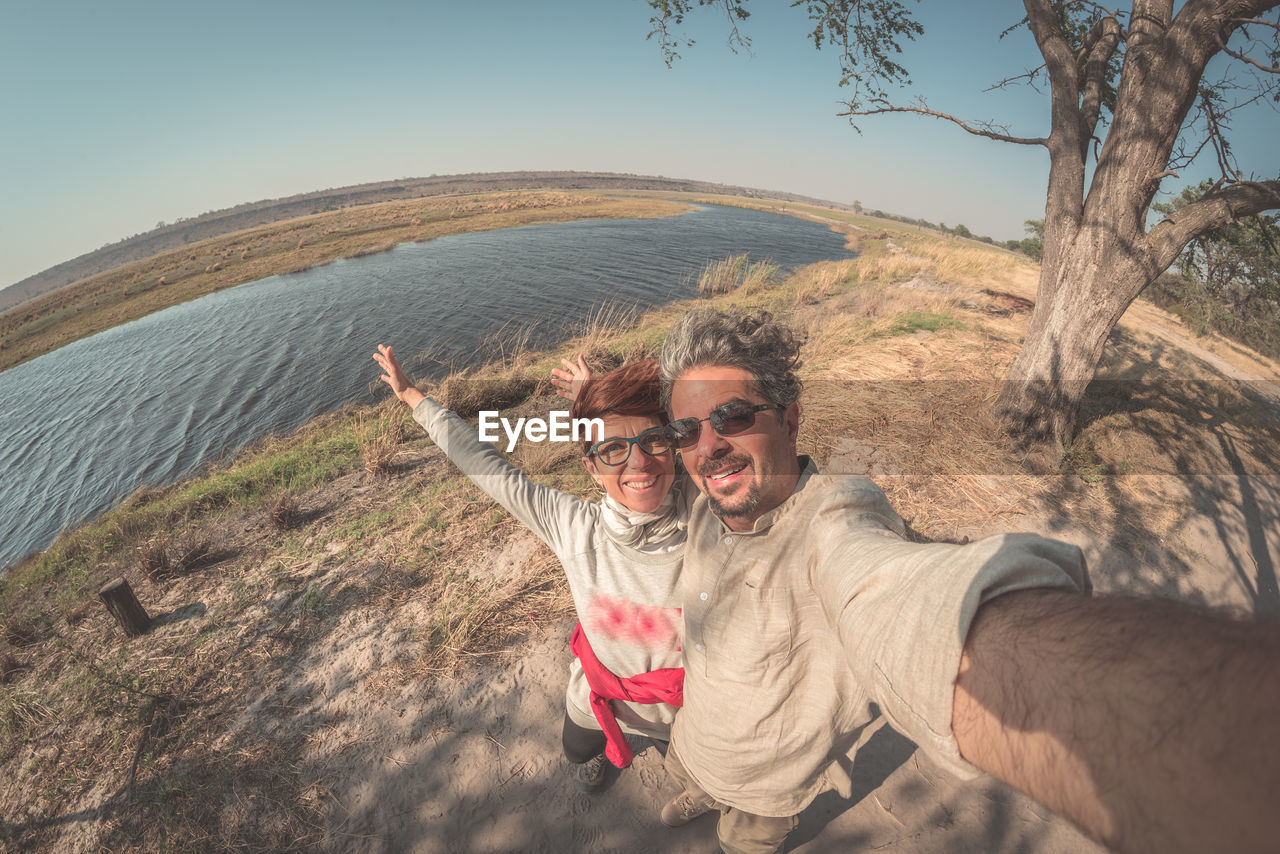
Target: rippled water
151,401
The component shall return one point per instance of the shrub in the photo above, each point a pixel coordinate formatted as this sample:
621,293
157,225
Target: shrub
162,558
19,632
467,395
732,273
285,512
379,444
9,665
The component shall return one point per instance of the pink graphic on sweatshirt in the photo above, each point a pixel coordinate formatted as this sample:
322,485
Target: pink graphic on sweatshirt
616,619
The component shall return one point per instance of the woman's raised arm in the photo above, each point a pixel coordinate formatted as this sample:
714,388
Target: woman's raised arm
394,376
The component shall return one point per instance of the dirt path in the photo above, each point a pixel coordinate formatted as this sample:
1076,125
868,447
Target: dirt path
1266,386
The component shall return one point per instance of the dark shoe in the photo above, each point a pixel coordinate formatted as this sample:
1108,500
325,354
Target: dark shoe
681,810
594,775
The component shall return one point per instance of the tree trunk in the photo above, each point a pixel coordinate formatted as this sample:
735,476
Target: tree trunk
1094,282
118,596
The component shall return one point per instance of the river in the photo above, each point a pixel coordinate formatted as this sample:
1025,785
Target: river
153,400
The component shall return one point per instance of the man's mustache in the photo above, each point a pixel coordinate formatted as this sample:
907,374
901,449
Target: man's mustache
707,468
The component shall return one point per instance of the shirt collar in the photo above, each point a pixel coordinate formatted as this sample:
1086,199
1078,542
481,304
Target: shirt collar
807,471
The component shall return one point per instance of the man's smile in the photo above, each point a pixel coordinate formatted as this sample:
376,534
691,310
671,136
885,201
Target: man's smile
722,471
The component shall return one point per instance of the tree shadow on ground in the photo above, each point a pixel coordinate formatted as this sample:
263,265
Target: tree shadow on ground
1221,442
178,615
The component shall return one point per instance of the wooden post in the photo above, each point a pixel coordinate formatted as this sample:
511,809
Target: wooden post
118,596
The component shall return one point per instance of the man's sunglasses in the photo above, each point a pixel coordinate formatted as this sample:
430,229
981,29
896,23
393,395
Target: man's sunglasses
615,452
728,420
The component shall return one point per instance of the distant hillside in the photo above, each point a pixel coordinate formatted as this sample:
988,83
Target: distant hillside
253,214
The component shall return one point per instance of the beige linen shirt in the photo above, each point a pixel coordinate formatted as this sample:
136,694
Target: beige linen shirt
794,628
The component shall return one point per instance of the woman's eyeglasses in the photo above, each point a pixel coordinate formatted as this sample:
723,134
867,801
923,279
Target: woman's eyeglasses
615,452
728,420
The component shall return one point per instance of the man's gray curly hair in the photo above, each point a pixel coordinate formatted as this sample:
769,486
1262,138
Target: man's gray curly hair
768,350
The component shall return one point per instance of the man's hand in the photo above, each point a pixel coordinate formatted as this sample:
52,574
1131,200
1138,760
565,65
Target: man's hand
569,382
394,376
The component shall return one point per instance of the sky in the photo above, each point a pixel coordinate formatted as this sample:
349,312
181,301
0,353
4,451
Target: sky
118,116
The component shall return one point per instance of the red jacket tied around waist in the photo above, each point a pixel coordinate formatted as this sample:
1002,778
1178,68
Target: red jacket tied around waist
656,686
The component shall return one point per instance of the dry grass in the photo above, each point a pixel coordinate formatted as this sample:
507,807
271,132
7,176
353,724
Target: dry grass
21,632
381,438
20,712
285,512
153,559
815,283
9,667
78,612
909,404
480,616
729,274
165,557
604,338
503,378
468,392
954,261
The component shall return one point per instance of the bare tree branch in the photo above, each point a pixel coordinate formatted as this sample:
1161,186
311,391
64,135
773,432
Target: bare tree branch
1064,202
986,129
733,13
1275,25
1270,69
1221,147
1029,76
1216,208
1180,159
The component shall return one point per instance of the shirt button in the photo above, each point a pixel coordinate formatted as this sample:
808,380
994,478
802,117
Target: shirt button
726,541
702,596
699,647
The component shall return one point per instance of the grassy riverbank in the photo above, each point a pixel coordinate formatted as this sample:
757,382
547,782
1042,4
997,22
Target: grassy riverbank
323,575
140,288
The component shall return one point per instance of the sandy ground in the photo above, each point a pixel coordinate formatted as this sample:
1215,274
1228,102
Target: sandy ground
475,766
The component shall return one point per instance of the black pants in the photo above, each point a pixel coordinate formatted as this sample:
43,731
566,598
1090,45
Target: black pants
581,744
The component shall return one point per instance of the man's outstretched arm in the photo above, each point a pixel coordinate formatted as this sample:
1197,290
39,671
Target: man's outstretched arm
1153,725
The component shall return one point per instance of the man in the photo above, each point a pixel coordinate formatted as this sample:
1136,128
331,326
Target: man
805,604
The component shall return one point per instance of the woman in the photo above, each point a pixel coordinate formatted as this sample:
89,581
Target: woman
621,555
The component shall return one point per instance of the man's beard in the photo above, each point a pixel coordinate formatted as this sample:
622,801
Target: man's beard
742,506
738,506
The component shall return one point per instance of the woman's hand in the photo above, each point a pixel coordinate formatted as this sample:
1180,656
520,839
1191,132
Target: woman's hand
569,381
394,376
